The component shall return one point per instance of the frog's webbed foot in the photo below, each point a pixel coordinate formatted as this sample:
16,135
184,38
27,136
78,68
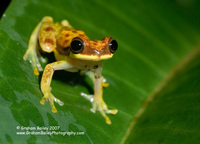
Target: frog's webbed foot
101,106
50,97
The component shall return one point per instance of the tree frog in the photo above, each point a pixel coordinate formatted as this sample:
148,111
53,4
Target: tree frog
74,52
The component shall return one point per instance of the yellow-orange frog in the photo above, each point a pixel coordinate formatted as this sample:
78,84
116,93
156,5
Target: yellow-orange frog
73,52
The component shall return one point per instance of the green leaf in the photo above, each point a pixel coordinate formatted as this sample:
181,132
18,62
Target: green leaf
154,76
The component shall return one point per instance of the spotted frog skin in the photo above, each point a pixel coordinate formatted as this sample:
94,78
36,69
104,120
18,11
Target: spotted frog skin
73,51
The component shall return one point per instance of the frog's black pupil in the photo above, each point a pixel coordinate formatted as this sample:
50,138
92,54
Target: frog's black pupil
113,46
76,46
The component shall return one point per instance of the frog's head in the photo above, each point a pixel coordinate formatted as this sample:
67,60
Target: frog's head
95,50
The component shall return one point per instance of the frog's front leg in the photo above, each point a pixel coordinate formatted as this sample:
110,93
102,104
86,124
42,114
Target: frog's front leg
97,100
46,81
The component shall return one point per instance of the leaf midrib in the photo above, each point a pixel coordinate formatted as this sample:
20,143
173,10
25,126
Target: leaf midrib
172,74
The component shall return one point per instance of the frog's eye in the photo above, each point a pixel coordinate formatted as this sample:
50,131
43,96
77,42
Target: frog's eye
77,45
112,45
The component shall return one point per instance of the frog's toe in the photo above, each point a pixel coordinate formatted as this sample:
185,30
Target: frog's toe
42,59
102,108
31,56
104,84
94,107
103,113
114,111
93,110
36,68
87,96
53,109
35,71
58,101
108,121
43,100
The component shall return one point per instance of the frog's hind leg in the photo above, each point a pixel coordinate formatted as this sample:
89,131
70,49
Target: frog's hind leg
47,35
32,52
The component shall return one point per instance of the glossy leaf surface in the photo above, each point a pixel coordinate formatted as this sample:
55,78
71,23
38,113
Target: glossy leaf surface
154,76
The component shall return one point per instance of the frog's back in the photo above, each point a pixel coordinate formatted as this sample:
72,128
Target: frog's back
56,37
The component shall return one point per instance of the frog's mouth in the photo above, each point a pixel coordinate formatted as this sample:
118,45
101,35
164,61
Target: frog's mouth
91,57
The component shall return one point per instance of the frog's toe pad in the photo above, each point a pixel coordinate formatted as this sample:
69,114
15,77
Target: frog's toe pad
35,71
105,84
53,109
108,121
